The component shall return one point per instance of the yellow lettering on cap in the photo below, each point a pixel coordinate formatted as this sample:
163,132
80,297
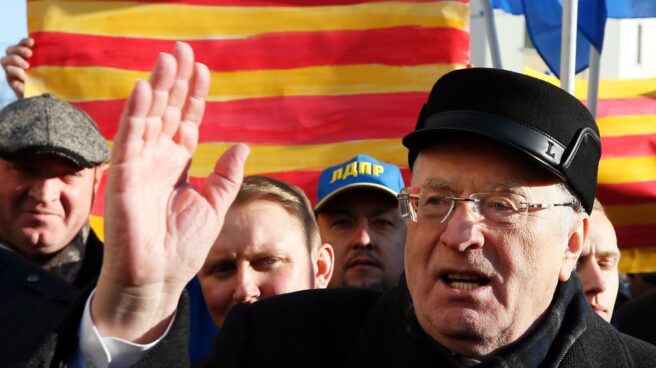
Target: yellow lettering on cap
350,170
378,169
364,168
337,175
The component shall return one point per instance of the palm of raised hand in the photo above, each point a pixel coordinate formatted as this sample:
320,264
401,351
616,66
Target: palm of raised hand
158,229
168,220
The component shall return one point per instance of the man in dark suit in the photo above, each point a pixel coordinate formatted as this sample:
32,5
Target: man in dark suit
52,158
504,177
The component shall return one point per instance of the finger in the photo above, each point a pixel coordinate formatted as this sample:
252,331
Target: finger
21,51
192,113
16,78
15,73
18,87
184,55
222,186
161,80
27,42
128,141
14,61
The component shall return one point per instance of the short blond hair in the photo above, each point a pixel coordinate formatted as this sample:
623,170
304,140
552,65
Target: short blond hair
288,196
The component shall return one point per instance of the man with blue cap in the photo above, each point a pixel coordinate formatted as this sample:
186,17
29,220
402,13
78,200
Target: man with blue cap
357,214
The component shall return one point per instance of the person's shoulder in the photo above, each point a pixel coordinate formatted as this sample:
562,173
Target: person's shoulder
292,313
606,344
638,318
643,302
641,352
330,300
295,329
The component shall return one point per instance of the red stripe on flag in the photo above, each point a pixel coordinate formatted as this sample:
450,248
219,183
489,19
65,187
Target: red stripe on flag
636,236
628,146
626,106
306,180
627,193
267,51
292,120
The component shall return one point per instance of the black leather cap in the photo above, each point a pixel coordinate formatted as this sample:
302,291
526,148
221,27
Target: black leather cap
535,117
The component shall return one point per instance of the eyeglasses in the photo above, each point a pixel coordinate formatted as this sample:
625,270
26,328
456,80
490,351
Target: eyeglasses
492,210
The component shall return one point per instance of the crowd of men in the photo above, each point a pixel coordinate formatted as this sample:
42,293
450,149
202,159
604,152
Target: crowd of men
495,254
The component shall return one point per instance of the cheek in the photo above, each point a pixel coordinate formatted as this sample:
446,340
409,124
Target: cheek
288,279
10,193
217,293
420,243
613,282
77,201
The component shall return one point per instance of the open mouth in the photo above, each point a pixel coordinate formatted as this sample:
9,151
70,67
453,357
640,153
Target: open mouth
464,282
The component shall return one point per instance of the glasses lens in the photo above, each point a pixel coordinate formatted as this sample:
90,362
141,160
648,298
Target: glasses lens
501,209
408,203
434,206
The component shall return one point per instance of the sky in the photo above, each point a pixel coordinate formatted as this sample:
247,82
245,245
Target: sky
13,27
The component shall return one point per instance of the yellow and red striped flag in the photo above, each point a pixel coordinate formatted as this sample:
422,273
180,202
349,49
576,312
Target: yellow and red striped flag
626,117
306,83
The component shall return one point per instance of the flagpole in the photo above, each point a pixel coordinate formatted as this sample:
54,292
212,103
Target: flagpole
593,80
491,29
568,45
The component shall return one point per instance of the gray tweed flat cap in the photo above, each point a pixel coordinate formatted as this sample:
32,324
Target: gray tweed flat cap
47,125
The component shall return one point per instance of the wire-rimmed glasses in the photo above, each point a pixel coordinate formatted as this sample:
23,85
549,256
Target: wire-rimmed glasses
493,210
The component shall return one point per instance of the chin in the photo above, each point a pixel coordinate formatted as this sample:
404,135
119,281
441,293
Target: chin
43,243
365,284
464,324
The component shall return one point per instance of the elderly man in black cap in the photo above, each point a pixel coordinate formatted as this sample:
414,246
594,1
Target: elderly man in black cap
52,159
504,177
504,170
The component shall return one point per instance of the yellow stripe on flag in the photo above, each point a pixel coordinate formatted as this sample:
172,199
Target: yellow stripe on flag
184,21
96,223
608,89
636,214
615,126
636,260
627,170
110,83
273,158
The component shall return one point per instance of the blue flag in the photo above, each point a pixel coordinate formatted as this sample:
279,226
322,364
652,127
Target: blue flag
631,8
544,25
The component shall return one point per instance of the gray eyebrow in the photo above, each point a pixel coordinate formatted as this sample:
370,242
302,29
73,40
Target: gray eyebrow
439,184
436,184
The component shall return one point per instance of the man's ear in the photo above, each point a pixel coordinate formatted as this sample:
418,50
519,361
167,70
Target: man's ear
98,173
577,237
324,261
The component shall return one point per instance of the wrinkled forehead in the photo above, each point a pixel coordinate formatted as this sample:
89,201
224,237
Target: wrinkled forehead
478,164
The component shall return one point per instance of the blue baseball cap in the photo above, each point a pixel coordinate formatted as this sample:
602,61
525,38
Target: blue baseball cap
360,171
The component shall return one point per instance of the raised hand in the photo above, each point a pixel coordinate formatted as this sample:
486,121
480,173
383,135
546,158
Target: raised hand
158,229
15,65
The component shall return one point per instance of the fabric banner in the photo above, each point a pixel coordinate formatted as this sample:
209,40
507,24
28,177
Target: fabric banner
306,83
626,116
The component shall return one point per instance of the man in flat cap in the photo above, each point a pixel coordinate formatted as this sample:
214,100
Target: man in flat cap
357,214
52,159
504,177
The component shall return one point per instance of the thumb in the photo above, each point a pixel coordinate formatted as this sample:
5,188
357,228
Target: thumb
222,185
